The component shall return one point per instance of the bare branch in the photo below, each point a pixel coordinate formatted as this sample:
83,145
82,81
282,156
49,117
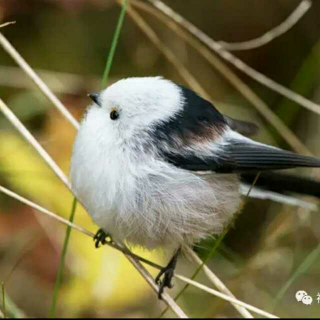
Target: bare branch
240,85
219,284
239,64
181,69
225,297
60,82
45,211
35,78
70,224
276,32
175,308
135,258
7,24
29,137
21,128
277,197
121,247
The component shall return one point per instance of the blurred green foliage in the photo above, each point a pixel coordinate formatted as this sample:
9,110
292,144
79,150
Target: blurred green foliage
269,241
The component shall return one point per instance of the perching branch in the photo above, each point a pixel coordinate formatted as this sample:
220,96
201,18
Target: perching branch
135,258
283,130
179,66
6,24
35,78
28,136
30,139
239,64
132,258
278,197
276,32
226,297
219,284
59,82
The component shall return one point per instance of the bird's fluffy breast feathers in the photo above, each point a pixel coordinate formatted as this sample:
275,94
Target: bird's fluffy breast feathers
138,176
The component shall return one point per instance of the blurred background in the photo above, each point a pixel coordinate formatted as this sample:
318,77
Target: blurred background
264,260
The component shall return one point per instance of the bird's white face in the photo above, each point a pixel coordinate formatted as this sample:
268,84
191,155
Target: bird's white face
131,105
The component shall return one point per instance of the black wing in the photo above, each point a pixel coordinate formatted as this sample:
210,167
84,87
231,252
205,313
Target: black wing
246,156
237,157
190,140
243,127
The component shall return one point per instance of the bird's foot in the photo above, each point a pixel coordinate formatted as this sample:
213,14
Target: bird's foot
167,273
102,238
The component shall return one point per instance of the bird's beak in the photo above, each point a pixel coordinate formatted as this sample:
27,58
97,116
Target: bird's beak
95,98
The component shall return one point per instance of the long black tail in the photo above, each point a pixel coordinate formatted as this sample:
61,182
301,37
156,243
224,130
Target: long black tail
284,183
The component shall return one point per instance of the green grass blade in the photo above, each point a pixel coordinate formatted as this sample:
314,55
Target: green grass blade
66,241
3,300
304,266
9,308
62,262
114,44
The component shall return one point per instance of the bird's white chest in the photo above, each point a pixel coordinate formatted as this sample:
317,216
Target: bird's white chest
103,173
137,197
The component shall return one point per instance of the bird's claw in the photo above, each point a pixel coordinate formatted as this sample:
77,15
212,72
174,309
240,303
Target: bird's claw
101,238
167,274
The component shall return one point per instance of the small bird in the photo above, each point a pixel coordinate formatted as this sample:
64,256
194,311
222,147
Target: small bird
156,165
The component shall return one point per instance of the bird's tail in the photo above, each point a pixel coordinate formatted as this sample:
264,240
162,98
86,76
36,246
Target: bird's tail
284,183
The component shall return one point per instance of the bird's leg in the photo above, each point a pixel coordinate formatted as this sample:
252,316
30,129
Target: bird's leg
101,237
168,274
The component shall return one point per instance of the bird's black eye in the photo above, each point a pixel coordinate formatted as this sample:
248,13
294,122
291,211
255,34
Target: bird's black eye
114,115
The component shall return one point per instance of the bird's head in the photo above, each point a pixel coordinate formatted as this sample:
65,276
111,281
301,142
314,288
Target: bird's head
132,105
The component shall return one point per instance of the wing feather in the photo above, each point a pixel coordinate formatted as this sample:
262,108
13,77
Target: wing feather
200,138
240,157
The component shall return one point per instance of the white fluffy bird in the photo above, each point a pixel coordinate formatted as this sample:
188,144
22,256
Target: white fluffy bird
156,165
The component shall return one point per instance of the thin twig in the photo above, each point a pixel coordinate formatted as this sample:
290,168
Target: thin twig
141,270
26,134
225,297
134,259
217,242
278,197
287,134
50,232
126,251
59,82
68,223
29,137
118,246
43,210
272,34
7,24
218,283
35,78
170,55
175,308
181,69
239,64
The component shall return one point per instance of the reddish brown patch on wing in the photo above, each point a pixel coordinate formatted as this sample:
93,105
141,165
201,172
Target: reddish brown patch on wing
206,134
